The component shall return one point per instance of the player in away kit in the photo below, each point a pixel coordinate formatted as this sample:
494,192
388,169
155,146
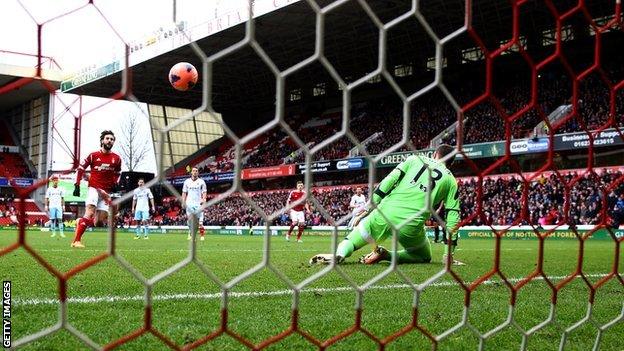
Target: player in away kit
193,197
297,214
357,206
105,169
54,205
141,200
402,196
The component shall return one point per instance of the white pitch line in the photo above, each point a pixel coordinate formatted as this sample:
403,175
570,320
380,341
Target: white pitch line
258,250
166,297
174,250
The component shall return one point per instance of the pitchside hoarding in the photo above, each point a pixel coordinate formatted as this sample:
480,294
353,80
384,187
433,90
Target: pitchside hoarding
268,172
349,164
571,141
480,232
561,142
484,232
18,182
468,232
208,178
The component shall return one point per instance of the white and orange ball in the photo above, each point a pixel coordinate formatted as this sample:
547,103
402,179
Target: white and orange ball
183,76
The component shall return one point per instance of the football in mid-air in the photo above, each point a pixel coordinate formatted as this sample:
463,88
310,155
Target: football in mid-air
183,76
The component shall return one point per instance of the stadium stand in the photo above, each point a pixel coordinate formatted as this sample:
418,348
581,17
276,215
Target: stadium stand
593,97
9,211
11,164
545,204
241,82
429,117
545,198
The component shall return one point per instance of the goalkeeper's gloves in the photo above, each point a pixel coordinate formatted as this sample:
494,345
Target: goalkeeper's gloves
378,254
114,188
325,259
454,262
76,190
451,247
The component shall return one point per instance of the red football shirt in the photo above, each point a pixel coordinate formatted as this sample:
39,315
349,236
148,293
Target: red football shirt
294,196
105,170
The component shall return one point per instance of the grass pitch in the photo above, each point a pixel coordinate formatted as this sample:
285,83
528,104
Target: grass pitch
106,302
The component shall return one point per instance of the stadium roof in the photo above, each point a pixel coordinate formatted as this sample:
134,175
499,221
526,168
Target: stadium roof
242,82
21,88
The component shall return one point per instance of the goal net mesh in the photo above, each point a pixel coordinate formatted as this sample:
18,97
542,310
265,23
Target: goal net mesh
462,111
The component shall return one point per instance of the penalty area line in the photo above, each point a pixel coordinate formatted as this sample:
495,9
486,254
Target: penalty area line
252,294
260,250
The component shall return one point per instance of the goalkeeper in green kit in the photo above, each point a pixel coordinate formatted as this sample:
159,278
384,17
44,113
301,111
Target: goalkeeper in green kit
402,196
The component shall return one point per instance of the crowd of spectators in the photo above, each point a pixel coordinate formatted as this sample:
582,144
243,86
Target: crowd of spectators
503,201
215,167
431,113
12,165
169,212
485,122
8,213
235,210
593,106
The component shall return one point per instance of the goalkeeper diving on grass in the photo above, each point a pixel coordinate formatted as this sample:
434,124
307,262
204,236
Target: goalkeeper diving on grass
402,198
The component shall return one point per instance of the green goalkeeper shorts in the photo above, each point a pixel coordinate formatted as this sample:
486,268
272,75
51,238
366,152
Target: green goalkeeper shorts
375,229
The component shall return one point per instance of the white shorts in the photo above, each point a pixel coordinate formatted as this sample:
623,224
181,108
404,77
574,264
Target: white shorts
95,198
55,213
141,215
195,209
297,216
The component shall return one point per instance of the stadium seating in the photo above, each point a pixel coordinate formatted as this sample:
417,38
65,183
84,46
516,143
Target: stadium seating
545,199
545,202
429,116
9,209
12,165
29,205
7,212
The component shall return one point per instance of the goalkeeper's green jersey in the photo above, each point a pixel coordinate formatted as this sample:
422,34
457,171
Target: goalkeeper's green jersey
403,193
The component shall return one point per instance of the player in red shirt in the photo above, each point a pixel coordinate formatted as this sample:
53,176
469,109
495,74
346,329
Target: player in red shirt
297,216
105,169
